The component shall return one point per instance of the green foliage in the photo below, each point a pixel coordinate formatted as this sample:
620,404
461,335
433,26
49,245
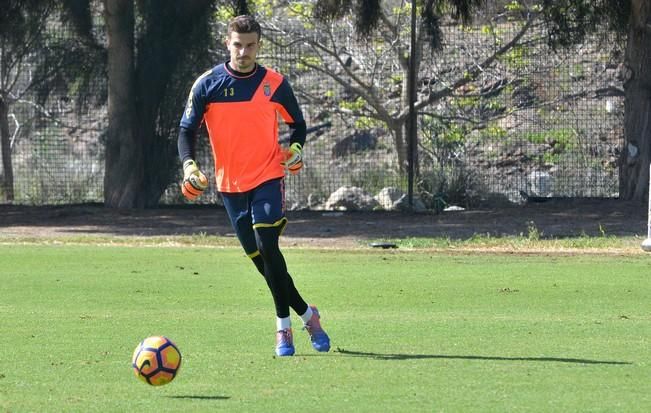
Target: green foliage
531,240
357,107
353,105
450,137
466,102
373,180
306,62
514,6
301,8
494,132
442,136
495,32
21,22
533,233
443,180
366,123
31,41
448,184
563,138
518,57
263,9
224,13
560,142
569,21
303,11
328,11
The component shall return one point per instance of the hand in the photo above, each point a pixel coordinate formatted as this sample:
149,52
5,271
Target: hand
194,181
293,158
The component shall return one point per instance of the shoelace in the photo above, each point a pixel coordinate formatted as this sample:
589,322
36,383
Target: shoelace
285,337
313,329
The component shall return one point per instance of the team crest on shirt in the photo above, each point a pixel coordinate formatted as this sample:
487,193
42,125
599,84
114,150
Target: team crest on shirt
267,89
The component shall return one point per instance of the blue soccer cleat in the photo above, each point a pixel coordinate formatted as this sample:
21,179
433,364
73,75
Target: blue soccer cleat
318,337
284,343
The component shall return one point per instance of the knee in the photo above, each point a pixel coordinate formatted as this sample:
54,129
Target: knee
267,239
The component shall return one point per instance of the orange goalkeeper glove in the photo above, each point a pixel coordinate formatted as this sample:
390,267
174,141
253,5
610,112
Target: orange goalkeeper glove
293,158
194,181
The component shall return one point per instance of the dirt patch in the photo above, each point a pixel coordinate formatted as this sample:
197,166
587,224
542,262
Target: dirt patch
553,218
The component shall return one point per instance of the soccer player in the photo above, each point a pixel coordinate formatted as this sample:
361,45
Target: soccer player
240,102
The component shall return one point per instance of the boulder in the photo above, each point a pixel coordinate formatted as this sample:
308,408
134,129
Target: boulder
351,198
388,197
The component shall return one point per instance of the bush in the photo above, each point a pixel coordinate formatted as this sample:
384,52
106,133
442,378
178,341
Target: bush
449,185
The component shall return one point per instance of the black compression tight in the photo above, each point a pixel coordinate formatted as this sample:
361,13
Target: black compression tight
271,264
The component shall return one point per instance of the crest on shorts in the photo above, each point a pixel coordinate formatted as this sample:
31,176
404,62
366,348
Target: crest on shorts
267,89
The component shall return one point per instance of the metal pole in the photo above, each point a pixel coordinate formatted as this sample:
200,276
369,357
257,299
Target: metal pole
411,130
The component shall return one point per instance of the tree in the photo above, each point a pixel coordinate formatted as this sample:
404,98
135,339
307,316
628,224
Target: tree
149,60
374,73
634,173
150,44
567,22
154,49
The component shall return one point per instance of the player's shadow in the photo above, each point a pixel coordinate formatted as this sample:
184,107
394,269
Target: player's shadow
384,356
198,397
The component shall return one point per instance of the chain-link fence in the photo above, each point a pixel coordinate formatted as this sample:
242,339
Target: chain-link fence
531,122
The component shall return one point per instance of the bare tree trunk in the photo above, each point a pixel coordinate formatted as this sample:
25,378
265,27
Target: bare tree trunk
401,130
139,160
5,143
634,165
123,179
399,142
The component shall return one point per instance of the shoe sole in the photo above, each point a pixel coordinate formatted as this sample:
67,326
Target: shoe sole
285,353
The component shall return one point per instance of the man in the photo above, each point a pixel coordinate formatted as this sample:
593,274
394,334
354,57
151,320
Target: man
240,101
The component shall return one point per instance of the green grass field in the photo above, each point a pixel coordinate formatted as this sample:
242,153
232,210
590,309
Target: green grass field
411,331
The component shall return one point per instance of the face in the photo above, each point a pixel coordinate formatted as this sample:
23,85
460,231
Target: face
244,49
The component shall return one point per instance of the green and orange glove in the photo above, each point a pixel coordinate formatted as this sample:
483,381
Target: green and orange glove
194,181
293,158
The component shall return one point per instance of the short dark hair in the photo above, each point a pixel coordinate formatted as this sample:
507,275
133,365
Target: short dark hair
244,24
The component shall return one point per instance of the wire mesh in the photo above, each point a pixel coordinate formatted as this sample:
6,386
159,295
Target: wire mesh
535,123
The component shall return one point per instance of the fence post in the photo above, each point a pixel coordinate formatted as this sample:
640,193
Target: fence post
412,142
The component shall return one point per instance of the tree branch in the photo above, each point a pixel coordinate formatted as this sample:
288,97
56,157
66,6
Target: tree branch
471,74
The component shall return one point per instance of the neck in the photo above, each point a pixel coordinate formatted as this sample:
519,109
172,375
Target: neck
240,70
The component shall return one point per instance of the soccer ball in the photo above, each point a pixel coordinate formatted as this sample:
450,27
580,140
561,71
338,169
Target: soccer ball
156,360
